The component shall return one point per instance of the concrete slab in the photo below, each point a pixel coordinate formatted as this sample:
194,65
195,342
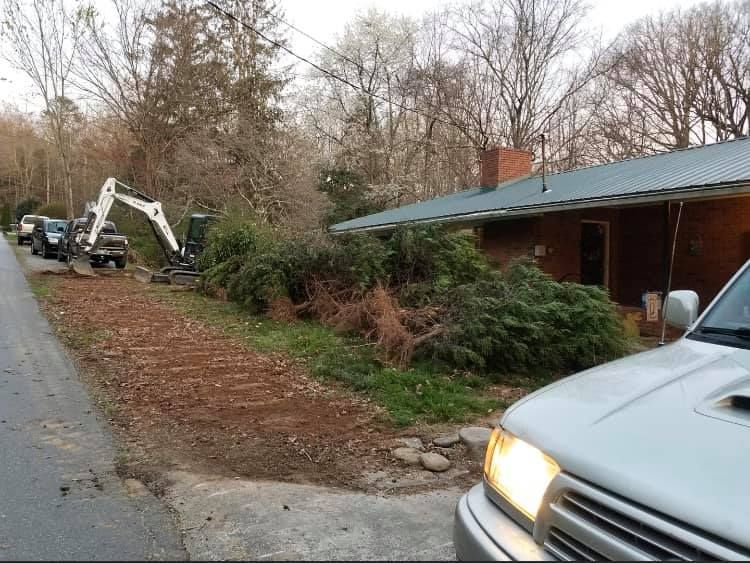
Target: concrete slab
235,519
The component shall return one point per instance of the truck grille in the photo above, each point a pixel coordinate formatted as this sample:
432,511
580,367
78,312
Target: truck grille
587,524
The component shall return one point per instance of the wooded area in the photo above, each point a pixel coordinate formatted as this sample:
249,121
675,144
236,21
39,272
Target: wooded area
203,112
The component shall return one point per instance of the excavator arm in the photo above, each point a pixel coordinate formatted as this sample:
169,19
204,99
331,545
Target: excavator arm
179,271
112,191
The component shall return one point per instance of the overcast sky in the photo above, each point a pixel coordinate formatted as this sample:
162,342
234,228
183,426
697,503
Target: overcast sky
323,19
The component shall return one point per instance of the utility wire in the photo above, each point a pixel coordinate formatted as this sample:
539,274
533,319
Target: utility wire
334,75
310,37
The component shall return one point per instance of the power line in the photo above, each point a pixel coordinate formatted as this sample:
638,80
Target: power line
310,37
332,74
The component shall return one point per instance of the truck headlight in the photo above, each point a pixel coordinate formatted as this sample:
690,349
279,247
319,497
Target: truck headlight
518,471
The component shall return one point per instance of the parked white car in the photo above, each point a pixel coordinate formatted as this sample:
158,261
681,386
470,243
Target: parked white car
644,458
25,227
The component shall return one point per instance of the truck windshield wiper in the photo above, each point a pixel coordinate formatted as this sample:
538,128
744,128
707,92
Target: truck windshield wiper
739,332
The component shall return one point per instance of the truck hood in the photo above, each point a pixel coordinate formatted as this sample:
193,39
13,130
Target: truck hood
656,428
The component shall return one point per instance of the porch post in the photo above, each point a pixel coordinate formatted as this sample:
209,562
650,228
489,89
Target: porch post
666,249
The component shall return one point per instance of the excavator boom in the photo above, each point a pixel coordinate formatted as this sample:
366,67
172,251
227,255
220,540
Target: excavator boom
112,191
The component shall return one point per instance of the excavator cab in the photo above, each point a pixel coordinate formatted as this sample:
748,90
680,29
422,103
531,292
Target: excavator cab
195,237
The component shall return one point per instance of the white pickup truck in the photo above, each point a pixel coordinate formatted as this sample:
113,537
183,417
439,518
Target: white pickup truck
644,458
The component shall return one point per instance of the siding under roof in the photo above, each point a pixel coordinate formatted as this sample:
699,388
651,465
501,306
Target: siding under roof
682,173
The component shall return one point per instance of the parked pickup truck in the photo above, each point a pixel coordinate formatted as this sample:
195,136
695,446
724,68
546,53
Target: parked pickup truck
111,245
644,458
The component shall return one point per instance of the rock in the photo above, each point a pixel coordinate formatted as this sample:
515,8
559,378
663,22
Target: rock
415,443
409,456
135,488
434,462
475,438
446,441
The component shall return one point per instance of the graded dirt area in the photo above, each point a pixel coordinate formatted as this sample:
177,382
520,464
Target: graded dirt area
188,397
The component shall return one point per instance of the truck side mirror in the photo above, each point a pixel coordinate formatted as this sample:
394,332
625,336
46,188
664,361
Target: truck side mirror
681,308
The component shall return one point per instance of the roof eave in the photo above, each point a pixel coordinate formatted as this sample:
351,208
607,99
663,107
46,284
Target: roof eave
696,192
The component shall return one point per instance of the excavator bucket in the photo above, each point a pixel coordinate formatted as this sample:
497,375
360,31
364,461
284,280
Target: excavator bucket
143,275
82,266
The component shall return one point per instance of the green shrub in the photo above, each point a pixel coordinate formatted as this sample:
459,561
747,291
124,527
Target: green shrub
54,210
5,217
228,238
428,260
524,321
263,277
26,207
520,320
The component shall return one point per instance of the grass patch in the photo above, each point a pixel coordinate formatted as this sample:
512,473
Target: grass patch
422,393
39,287
83,340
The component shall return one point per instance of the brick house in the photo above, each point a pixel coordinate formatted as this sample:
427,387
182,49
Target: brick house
611,224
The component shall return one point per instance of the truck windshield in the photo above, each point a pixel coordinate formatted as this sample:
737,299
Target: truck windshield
729,319
55,226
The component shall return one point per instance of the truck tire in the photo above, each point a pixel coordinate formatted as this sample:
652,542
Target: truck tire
120,263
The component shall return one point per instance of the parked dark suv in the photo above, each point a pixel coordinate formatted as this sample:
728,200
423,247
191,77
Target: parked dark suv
46,235
110,246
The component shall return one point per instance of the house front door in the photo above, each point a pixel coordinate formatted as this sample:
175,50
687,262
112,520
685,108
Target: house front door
594,253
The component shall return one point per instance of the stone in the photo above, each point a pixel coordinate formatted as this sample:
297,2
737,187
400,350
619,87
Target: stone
434,462
415,443
135,488
409,456
475,438
446,441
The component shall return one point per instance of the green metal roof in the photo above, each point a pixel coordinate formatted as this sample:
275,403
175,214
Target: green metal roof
716,169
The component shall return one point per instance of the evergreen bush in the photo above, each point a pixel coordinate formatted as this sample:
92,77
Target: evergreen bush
522,320
519,320
53,210
26,207
227,239
5,217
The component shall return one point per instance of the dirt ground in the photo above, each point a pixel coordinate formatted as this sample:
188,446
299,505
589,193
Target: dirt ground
187,397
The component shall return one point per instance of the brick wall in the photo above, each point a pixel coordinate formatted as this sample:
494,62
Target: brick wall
505,240
713,242
502,163
559,233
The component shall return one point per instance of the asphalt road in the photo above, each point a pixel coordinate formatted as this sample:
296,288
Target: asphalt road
60,497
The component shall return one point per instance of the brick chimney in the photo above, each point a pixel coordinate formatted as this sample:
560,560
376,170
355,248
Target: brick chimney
500,164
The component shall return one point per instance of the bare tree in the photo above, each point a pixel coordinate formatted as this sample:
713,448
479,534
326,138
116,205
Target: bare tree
658,72
723,37
44,38
535,53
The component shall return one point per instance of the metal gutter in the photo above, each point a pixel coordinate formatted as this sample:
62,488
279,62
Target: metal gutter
723,189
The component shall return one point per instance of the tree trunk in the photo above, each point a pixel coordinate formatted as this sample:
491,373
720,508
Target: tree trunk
47,153
68,186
